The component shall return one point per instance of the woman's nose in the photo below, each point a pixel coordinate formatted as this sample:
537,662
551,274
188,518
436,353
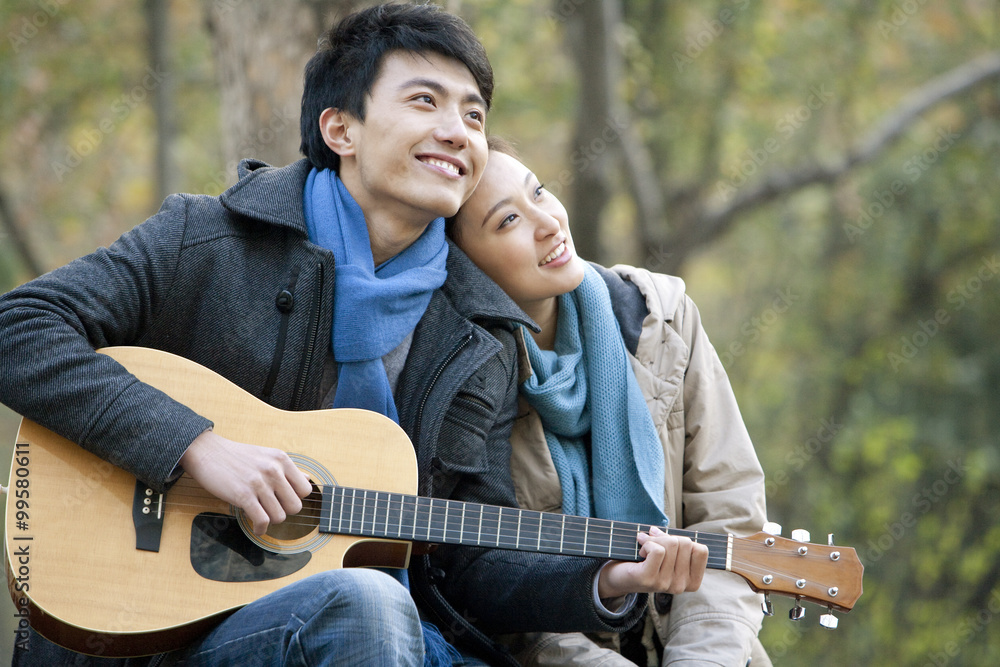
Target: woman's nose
546,225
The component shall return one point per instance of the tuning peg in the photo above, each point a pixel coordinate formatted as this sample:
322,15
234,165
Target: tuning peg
800,535
798,612
767,606
772,528
829,539
828,620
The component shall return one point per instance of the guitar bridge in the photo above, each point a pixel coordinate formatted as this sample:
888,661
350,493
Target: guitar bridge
147,516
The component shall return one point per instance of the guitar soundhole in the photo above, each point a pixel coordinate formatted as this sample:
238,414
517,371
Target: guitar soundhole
299,525
220,551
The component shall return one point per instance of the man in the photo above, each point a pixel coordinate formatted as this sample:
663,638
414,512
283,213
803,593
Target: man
274,285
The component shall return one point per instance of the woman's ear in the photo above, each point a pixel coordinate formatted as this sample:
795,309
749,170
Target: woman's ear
335,126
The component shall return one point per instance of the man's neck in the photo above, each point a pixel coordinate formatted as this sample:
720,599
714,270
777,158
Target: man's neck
389,237
391,228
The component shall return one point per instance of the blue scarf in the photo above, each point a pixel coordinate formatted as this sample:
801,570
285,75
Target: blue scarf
374,309
587,386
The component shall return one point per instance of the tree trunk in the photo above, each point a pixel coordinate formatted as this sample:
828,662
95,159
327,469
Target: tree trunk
261,49
165,173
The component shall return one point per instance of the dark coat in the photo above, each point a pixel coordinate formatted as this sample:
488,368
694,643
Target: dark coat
233,283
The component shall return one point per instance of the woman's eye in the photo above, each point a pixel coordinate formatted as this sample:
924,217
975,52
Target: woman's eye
539,191
506,221
425,98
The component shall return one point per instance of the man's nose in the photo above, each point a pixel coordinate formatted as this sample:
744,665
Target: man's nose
452,130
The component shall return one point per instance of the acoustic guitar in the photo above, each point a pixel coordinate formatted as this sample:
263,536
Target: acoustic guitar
104,565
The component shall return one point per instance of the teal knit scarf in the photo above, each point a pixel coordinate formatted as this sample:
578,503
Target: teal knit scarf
587,386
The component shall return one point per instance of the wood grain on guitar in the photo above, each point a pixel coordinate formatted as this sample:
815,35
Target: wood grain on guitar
107,567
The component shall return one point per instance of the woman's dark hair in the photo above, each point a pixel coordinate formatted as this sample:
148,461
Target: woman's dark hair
343,70
496,144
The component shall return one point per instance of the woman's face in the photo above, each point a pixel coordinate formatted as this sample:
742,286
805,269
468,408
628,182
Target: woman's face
518,234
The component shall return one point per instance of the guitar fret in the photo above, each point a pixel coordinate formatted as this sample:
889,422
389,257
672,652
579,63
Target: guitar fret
385,529
360,512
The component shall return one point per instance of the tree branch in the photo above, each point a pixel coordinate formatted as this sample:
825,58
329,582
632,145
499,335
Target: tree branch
714,220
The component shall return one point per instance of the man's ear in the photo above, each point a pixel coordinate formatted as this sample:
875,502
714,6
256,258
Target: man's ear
335,127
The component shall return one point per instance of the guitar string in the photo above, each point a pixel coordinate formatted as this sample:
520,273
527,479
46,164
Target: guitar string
533,517
620,538
624,551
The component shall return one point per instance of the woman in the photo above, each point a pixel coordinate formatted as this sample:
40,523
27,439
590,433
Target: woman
627,414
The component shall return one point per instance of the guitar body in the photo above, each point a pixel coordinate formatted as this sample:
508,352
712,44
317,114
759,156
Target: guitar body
73,565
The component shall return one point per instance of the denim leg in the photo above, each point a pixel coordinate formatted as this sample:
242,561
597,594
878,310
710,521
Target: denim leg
341,617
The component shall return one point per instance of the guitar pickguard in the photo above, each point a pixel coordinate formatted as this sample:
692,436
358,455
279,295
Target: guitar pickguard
221,551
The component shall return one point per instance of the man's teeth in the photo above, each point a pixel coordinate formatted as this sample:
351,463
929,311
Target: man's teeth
441,163
560,249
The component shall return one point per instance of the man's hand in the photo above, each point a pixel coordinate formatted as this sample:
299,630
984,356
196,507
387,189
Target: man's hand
262,481
670,565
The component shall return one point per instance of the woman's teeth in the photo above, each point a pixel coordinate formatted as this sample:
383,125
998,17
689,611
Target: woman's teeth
560,249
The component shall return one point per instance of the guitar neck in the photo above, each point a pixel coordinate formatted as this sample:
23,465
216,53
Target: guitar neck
382,514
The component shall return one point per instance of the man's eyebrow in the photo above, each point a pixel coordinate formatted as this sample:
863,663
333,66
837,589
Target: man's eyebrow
437,87
503,202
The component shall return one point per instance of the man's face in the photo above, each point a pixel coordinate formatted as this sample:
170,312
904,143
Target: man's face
421,149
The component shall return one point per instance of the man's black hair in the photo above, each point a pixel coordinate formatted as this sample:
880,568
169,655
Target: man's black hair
343,70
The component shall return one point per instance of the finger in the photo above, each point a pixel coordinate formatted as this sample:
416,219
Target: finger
301,484
288,497
272,508
699,561
257,517
681,573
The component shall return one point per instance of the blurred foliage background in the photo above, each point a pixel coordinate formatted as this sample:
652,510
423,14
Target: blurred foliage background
824,175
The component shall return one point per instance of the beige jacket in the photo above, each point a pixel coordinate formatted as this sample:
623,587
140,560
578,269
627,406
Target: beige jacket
713,483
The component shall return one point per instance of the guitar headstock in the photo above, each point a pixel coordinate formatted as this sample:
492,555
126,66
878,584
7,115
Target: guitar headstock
824,574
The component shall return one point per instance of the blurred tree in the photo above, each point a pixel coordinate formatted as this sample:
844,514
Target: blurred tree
260,50
822,174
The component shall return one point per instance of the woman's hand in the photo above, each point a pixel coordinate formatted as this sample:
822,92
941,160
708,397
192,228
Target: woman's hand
670,564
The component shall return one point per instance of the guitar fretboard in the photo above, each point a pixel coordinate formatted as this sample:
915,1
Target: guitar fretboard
369,513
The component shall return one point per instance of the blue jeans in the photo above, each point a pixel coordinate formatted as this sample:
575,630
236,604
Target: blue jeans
341,617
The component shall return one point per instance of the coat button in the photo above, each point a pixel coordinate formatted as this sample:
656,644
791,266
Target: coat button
285,301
